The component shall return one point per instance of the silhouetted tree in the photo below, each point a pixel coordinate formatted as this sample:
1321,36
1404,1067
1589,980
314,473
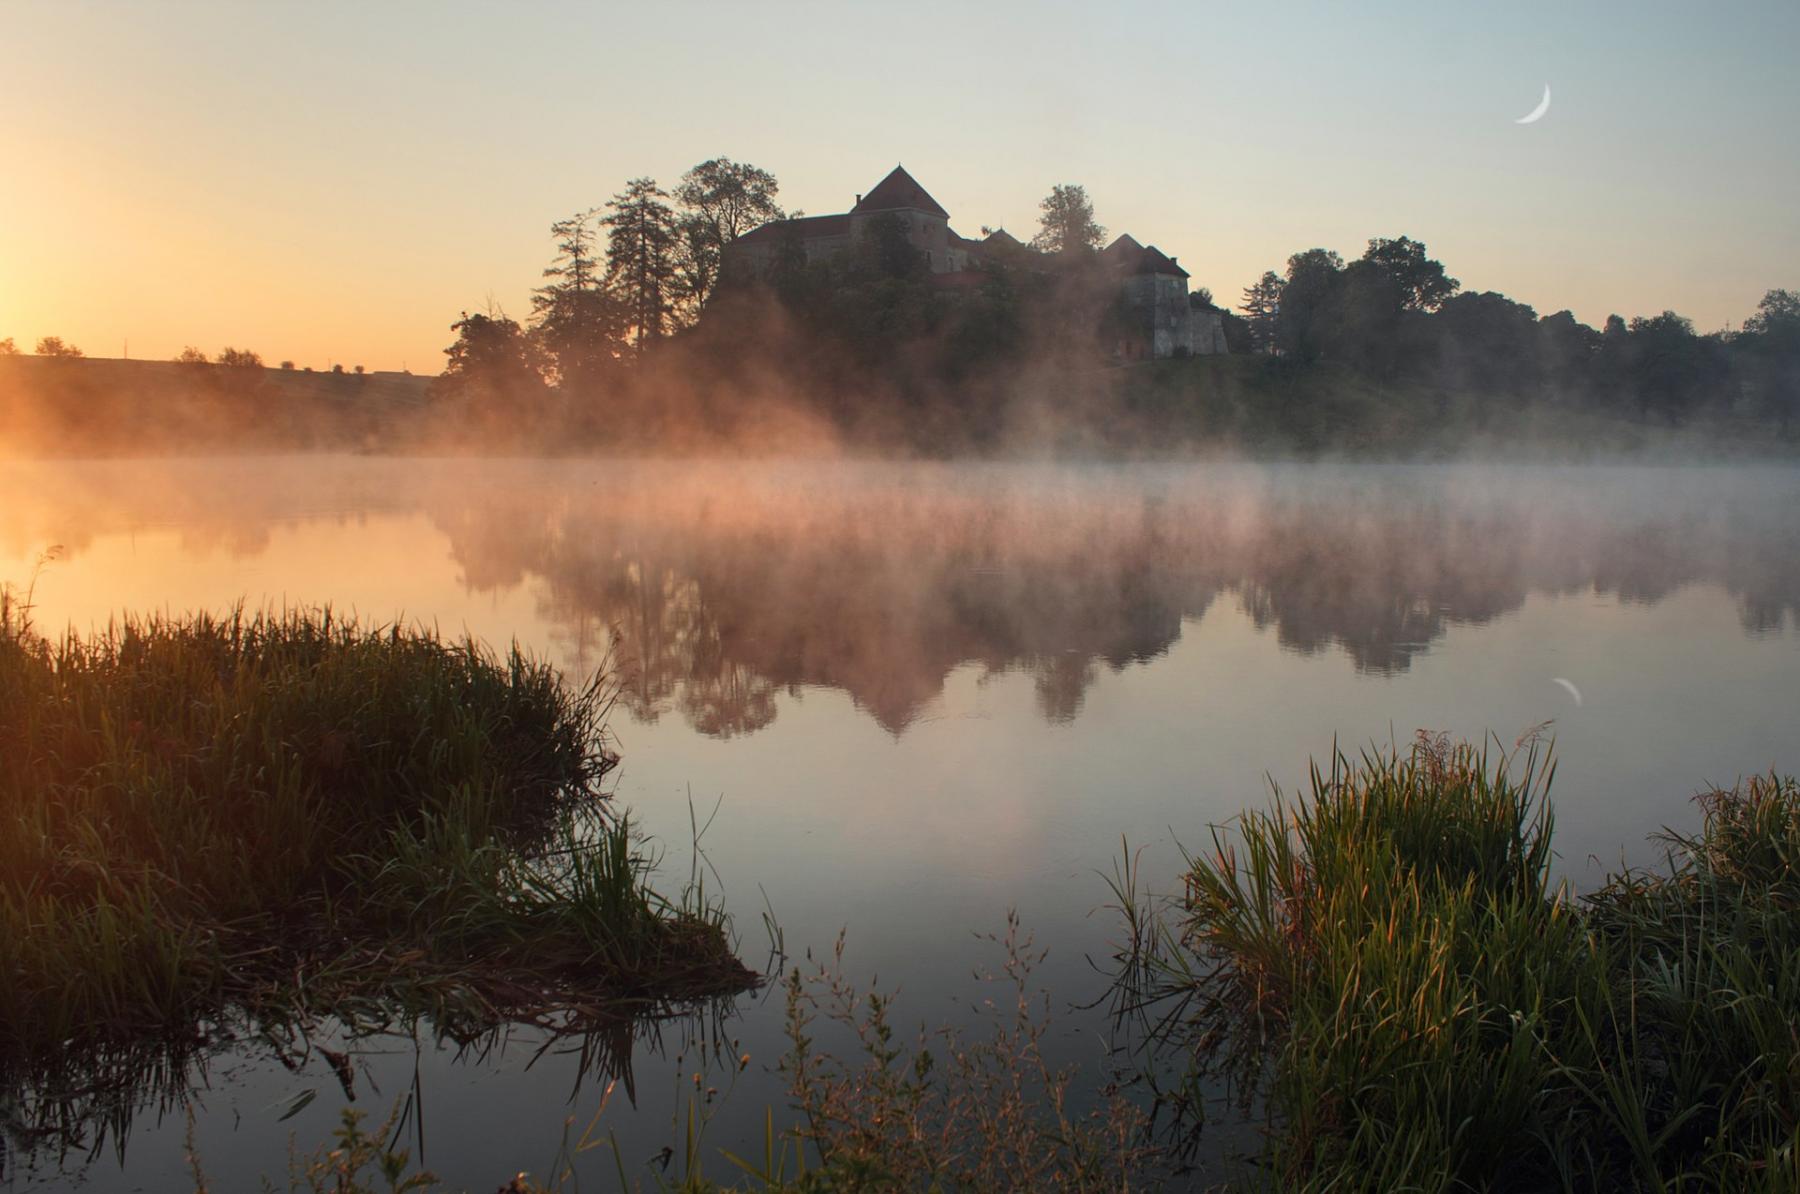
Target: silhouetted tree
53,346
1568,349
1311,276
577,321
191,356
1669,367
723,200
1488,344
240,358
494,378
1262,304
1423,283
1067,223
8,348
640,259
1356,320
490,350
1777,315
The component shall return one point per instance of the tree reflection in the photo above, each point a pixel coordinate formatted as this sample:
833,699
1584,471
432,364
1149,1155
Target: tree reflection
712,588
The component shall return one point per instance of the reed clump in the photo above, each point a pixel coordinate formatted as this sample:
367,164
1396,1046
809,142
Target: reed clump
256,812
1385,967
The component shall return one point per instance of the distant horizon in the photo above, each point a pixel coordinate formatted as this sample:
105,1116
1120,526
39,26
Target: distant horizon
331,185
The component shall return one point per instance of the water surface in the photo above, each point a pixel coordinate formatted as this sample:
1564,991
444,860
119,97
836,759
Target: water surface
920,695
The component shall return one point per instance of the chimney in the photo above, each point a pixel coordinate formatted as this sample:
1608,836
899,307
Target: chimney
859,198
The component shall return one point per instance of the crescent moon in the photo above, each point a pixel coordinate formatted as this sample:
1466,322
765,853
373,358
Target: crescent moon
1570,685
1537,113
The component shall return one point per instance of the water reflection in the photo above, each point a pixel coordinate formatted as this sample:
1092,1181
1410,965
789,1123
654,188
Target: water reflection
55,1124
716,587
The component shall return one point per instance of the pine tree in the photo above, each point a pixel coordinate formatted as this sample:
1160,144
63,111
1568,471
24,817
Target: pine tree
575,319
640,259
1262,304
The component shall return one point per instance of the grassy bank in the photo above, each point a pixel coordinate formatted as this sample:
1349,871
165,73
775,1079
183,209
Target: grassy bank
1386,969
271,813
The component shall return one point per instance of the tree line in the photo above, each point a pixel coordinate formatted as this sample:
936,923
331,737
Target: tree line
625,277
1396,315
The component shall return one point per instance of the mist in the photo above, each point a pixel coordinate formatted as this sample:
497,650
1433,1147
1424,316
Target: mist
711,588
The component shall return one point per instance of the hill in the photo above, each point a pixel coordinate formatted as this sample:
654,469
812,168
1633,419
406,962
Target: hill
53,406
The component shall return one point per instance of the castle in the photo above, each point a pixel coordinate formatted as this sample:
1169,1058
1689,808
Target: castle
1154,286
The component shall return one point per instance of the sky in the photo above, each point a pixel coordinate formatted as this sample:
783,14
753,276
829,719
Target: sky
334,182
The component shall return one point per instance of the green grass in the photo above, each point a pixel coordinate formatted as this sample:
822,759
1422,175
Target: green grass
274,813
1385,969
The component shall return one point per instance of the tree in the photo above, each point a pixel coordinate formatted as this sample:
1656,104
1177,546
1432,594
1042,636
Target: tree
1202,298
577,322
1311,277
1777,315
494,373
1067,223
1669,367
1489,343
1423,283
488,347
53,346
8,348
640,259
723,200
1262,306
191,356
240,358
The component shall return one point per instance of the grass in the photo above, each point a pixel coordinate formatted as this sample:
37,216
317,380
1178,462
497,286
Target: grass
274,815
1385,969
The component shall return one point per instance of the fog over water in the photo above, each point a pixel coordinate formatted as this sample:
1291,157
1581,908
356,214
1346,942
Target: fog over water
921,694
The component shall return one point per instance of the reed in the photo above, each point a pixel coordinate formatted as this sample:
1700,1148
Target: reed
257,812
1385,968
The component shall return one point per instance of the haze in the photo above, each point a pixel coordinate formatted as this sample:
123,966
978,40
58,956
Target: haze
333,182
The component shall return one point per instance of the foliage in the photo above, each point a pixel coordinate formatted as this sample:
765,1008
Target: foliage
721,200
240,358
1385,965
53,346
1262,306
577,322
277,811
1067,223
641,253
1422,282
493,384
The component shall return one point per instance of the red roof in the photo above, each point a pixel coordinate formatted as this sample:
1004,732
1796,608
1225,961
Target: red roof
1127,254
897,191
806,228
1153,261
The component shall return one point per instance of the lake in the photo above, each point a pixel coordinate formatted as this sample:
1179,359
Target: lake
906,698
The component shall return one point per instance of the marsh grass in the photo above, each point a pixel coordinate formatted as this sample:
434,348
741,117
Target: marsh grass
287,815
1385,970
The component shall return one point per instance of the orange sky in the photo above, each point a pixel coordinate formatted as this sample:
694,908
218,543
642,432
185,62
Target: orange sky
332,183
